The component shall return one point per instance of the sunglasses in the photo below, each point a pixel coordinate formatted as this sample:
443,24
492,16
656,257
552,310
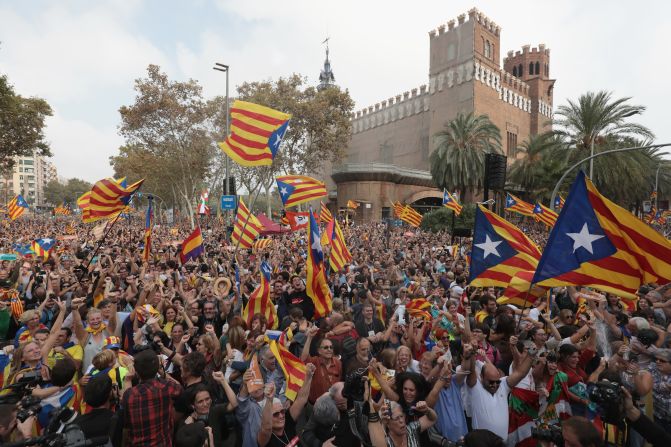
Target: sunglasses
279,413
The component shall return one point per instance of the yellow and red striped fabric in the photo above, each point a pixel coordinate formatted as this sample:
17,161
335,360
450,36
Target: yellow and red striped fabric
340,254
544,214
411,217
419,307
109,197
16,207
316,286
519,290
83,204
294,370
244,235
398,209
325,215
449,201
259,301
297,189
519,206
599,244
256,134
353,204
262,244
491,269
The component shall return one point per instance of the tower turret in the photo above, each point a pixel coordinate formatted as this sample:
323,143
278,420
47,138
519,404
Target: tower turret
326,77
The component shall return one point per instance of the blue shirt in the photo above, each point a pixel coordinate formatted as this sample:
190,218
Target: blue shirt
450,410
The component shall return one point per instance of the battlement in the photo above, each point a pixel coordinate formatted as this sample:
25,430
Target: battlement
395,108
474,15
528,51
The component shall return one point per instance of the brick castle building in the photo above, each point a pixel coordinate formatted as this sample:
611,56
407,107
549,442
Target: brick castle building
388,155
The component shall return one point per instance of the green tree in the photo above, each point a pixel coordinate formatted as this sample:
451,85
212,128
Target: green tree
458,161
55,193
541,165
21,125
169,132
440,219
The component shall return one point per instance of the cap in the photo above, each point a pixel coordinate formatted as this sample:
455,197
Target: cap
663,354
112,342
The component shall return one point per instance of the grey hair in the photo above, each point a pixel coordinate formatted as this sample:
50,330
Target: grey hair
276,401
325,411
263,351
336,389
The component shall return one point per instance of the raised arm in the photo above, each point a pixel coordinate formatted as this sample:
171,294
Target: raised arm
77,325
521,369
263,438
55,329
468,365
302,396
218,377
311,332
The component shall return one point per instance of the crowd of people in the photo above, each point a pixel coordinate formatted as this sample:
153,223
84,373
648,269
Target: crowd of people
156,353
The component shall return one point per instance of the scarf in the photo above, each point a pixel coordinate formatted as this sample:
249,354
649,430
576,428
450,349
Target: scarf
92,331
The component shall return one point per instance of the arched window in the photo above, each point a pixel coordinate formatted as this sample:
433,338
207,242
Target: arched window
487,49
547,70
492,51
515,71
531,68
520,72
538,68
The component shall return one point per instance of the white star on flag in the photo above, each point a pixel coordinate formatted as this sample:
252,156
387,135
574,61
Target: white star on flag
284,191
584,239
316,245
489,247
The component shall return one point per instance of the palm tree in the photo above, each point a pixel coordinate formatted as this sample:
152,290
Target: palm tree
598,120
540,167
458,162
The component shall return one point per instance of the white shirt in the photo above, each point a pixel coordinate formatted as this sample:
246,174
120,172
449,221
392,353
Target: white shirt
490,411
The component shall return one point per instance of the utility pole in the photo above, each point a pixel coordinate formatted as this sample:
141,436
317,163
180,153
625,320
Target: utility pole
225,69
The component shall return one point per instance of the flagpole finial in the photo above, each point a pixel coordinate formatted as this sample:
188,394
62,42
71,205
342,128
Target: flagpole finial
487,202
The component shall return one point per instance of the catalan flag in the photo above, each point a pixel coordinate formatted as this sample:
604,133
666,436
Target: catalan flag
63,209
256,134
518,206
419,307
42,247
449,201
259,301
520,290
500,251
16,207
246,228
83,204
148,225
109,197
559,202
353,204
596,243
296,189
650,217
192,247
398,209
294,370
325,215
544,214
298,221
411,217
262,244
317,287
340,254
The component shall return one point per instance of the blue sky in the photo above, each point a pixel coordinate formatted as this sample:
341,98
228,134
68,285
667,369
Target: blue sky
83,56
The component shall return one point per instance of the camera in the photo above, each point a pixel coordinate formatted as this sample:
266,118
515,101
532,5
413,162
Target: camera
30,406
354,387
550,433
608,396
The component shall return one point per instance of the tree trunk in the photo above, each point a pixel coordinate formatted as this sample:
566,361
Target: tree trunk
268,208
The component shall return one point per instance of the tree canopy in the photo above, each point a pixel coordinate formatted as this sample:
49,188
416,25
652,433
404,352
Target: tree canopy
55,193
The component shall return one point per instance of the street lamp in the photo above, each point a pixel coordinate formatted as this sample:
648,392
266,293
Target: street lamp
612,151
225,69
656,180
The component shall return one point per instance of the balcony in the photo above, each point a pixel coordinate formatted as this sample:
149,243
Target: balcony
380,172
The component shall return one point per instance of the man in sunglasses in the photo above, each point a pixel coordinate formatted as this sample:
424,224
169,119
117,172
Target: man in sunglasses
489,390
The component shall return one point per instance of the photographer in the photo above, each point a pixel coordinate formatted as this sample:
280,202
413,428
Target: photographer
654,433
12,429
100,395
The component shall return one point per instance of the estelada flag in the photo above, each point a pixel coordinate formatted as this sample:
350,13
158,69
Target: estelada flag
317,287
449,201
596,243
42,247
109,197
518,206
297,189
259,301
256,134
544,214
411,217
16,207
192,247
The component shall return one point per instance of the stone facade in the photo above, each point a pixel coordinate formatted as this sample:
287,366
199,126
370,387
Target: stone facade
388,155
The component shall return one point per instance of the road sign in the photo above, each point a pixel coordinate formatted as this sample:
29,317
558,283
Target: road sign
228,202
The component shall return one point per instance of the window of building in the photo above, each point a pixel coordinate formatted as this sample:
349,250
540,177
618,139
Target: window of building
547,70
28,162
487,49
31,177
531,68
520,72
20,169
538,68
511,144
386,212
515,71
491,50
20,177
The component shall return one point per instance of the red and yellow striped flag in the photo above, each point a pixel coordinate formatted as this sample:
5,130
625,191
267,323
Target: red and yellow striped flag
411,217
294,370
353,204
109,197
325,215
244,236
398,209
419,307
519,290
317,287
262,244
297,189
544,214
340,254
16,207
256,134
450,201
519,206
259,301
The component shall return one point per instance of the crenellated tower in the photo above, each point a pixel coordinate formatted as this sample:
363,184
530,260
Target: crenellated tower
532,65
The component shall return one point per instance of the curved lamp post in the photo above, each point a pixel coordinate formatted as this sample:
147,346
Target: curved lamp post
593,156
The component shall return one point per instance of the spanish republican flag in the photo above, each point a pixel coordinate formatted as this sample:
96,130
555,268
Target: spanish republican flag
192,247
259,301
256,134
294,370
247,227
596,243
317,287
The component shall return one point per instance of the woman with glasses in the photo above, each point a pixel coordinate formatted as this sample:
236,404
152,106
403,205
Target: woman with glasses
393,431
328,367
